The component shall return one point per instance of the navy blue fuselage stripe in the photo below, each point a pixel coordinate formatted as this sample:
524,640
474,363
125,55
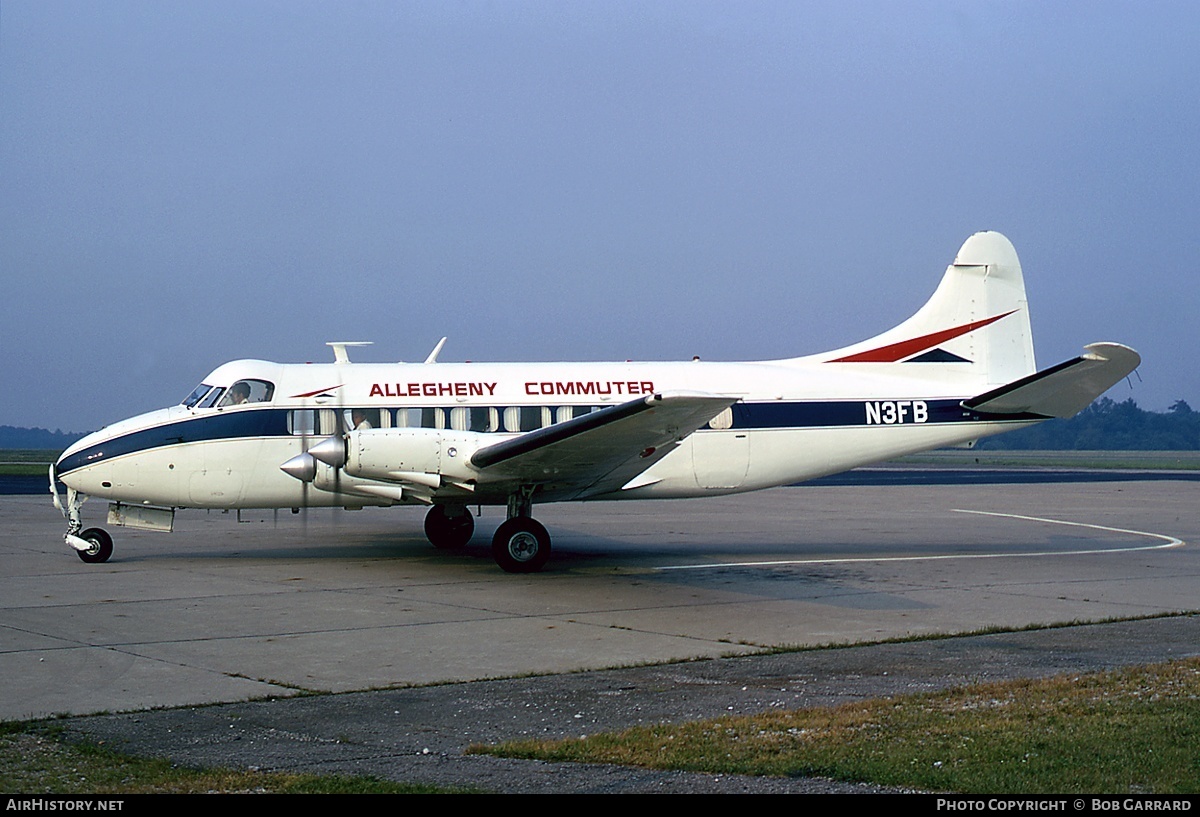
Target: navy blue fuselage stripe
228,425
245,423
832,413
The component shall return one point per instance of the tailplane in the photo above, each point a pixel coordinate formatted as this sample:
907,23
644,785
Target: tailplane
1063,390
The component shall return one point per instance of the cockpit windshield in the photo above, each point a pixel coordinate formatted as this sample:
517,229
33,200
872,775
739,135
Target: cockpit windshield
211,398
197,393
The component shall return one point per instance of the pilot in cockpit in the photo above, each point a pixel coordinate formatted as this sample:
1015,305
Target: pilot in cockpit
239,393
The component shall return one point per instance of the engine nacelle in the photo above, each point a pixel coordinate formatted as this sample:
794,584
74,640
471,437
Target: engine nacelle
413,454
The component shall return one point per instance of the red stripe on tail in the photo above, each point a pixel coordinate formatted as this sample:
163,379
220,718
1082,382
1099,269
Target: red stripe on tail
895,352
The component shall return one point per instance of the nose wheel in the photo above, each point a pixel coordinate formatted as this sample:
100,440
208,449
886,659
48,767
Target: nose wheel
521,545
101,546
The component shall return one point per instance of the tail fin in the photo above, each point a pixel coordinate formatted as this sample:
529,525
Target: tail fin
977,321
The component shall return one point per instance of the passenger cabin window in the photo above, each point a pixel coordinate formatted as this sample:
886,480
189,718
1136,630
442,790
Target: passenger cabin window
474,418
524,418
723,420
247,391
433,418
420,418
302,422
327,422
361,419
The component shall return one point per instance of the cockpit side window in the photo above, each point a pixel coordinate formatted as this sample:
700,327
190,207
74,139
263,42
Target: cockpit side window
247,391
194,398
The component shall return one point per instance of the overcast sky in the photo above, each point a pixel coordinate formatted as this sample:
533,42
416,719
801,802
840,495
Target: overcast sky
185,183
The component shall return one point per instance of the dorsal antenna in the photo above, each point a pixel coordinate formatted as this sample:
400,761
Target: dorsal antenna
339,348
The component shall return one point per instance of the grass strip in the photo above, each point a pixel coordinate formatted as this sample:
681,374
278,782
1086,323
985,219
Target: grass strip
35,760
1131,731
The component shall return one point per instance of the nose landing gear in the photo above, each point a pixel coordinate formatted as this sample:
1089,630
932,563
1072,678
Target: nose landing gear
100,546
93,545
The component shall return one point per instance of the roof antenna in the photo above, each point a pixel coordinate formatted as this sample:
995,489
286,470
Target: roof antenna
339,348
436,350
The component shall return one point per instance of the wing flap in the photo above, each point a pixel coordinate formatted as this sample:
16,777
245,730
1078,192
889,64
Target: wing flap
603,450
1063,390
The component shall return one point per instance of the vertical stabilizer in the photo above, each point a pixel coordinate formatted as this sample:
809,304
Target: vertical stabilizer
976,325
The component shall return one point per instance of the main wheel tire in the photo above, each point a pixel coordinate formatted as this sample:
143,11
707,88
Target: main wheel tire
521,545
445,531
101,549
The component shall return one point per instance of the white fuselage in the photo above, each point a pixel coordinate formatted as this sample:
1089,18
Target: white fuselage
795,420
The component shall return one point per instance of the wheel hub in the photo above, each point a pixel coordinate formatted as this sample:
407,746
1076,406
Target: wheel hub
523,546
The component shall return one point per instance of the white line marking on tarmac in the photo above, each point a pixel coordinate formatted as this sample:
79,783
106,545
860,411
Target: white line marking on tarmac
1167,542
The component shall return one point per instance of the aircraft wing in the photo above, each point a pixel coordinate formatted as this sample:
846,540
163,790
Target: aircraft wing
601,451
1063,390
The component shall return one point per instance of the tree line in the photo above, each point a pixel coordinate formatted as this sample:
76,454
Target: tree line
40,438
1107,425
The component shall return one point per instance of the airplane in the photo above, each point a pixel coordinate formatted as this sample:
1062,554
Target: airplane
447,436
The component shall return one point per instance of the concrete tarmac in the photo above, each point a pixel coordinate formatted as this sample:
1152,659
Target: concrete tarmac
275,605
421,734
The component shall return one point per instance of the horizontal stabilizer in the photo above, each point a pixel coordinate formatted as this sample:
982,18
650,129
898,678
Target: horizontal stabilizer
1063,390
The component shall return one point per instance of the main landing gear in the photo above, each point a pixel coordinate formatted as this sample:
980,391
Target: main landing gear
449,526
520,545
